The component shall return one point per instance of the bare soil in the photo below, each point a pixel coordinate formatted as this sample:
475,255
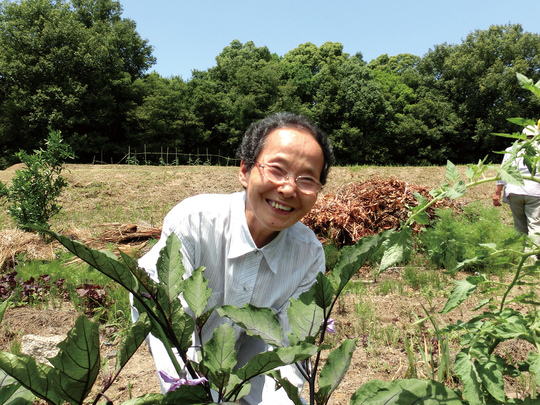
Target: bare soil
98,195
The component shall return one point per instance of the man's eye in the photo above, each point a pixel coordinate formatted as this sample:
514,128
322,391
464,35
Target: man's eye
277,171
307,180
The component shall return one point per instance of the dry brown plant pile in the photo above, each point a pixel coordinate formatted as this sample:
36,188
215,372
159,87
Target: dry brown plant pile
14,242
365,208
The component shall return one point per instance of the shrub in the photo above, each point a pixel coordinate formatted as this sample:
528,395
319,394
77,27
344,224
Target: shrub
35,189
457,237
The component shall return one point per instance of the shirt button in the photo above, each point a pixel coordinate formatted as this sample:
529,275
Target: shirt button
246,288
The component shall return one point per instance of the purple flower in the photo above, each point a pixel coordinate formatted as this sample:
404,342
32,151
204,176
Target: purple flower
177,382
330,326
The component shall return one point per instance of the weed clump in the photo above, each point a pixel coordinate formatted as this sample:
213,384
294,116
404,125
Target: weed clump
454,238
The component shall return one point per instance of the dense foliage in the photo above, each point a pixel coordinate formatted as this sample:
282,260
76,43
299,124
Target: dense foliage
32,198
80,67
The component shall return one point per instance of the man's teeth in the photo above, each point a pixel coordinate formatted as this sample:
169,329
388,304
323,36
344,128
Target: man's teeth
279,206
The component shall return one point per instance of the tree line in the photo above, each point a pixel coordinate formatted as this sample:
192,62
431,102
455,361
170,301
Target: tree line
79,67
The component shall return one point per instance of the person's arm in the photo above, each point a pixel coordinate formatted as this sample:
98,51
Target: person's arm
497,196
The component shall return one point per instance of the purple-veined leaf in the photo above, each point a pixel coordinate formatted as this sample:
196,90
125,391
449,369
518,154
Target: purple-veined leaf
305,316
77,363
169,266
197,292
133,339
352,258
290,389
219,351
12,392
103,261
34,376
280,356
323,291
259,322
334,369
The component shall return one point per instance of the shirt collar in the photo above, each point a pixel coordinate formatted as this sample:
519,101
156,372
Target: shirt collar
241,241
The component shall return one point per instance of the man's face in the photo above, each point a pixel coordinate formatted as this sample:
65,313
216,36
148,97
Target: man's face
272,207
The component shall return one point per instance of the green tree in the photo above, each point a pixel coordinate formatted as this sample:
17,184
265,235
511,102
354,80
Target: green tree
69,65
478,77
240,89
163,118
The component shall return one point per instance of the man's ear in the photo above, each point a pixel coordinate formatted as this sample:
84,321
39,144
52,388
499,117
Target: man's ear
243,174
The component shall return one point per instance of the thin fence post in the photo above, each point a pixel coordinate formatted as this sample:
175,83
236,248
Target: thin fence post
145,161
167,157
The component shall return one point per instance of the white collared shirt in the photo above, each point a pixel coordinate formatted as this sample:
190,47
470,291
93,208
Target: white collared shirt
214,234
530,188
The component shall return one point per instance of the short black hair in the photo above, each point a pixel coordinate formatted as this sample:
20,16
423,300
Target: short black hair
255,137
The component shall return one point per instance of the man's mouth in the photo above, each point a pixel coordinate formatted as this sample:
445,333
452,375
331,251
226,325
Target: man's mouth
279,206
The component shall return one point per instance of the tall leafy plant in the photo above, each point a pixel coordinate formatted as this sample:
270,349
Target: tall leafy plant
32,196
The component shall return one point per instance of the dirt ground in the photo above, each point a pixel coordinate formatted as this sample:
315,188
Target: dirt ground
143,196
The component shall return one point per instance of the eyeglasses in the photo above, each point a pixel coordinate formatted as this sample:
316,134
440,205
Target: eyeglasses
277,174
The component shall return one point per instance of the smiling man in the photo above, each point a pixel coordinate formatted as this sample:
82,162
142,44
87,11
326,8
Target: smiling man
251,243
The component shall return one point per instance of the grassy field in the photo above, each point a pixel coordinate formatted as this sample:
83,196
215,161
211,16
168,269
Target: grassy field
379,311
98,194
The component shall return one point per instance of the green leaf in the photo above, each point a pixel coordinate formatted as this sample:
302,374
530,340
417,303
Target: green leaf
290,389
235,383
466,371
110,266
405,392
185,394
32,375
281,356
133,339
324,293
334,369
452,172
420,215
510,174
461,291
533,360
305,316
170,268
513,326
78,361
457,190
197,292
219,351
3,308
182,324
259,322
492,378
397,247
352,258
12,392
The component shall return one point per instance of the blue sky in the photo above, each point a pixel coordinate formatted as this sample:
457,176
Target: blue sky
189,34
